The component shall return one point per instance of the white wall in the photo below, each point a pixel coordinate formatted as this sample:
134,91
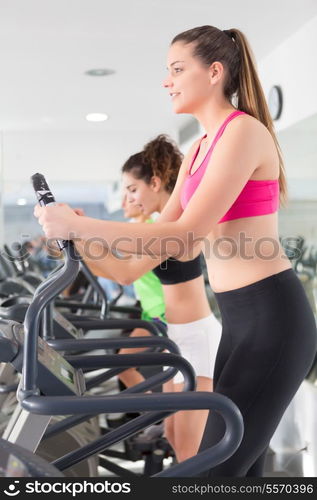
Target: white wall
292,65
299,145
73,157
67,154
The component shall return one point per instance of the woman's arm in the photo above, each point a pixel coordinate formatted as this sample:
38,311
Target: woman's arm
234,159
124,269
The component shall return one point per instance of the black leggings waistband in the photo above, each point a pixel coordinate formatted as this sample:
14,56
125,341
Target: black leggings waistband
265,283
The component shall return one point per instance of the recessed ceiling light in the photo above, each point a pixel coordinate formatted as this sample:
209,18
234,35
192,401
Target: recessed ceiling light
100,72
22,201
96,117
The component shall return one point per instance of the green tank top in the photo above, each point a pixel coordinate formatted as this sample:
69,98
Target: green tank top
150,293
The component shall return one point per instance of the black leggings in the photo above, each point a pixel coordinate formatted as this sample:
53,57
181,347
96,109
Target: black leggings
267,347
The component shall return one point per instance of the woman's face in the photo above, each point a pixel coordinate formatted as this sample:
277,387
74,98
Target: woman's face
130,211
140,194
188,81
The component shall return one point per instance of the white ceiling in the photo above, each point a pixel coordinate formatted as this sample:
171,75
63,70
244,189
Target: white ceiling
47,45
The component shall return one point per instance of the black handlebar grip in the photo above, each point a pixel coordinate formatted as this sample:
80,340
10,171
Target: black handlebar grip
45,197
42,191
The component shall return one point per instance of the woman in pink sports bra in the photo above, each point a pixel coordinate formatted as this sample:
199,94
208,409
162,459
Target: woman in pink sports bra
226,199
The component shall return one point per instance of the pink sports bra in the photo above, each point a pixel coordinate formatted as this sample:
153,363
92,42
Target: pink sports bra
258,197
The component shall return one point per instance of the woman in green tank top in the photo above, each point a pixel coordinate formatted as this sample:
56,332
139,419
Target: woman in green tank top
148,287
148,180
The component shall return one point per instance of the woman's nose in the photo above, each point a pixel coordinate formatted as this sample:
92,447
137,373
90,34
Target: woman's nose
167,82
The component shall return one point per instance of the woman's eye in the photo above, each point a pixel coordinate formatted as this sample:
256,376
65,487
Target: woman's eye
177,70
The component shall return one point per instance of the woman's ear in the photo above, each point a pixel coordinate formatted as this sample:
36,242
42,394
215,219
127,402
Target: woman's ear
156,183
216,71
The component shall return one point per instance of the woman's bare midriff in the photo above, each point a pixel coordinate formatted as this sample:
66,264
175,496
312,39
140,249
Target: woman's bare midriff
243,251
186,302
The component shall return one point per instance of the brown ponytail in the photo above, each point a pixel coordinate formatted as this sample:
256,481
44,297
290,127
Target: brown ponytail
251,98
231,48
161,158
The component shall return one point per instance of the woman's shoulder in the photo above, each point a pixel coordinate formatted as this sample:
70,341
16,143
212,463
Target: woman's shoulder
248,134
245,133
248,123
